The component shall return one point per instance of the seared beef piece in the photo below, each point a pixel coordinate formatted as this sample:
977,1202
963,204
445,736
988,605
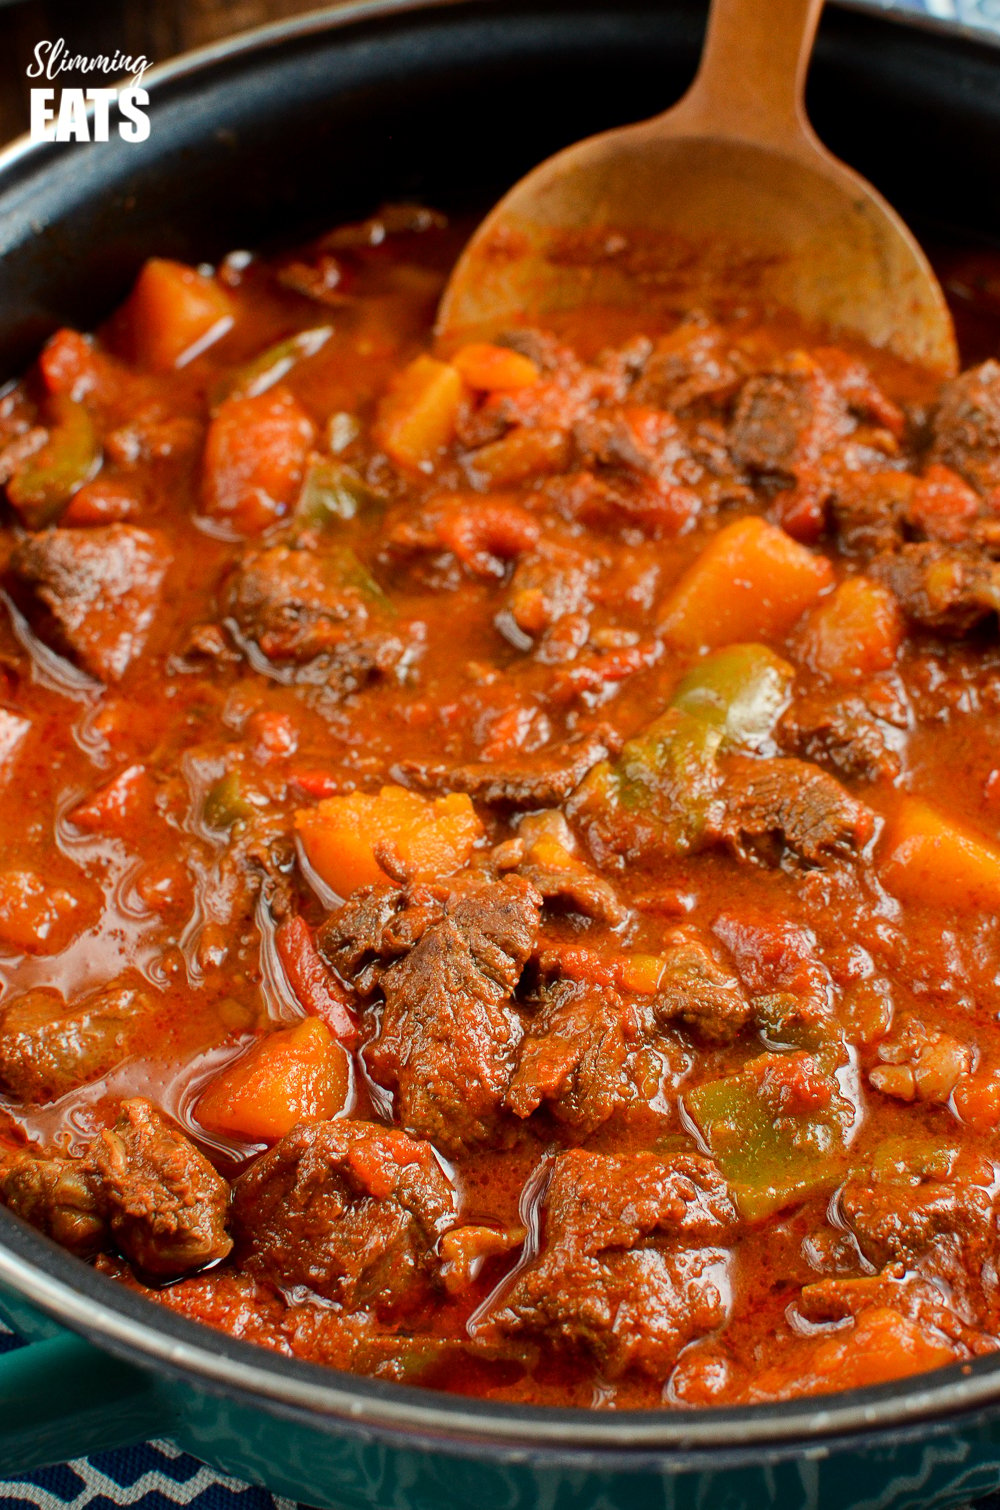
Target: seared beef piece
550,861
943,1229
870,510
948,588
300,605
166,1204
579,889
49,1046
859,390
628,1271
349,1210
966,426
692,366
61,1197
541,347
548,583
92,593
777,962
574,1057
778,804
855,732
784,421
376,924
920,1299
534,781
448,1033
699,991
639,441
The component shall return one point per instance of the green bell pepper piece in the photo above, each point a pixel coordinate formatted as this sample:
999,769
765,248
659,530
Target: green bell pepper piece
332,490
908,1161
739,690
771,1160
666,779
226,802
45,481
276,362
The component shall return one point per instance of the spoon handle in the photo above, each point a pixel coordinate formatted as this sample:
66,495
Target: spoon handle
752,76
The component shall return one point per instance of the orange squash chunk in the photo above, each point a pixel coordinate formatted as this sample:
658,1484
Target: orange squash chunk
417,417
297,1074
930,858
751,582
430,837
174,313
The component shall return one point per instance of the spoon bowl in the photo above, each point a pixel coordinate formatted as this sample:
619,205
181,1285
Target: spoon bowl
727,199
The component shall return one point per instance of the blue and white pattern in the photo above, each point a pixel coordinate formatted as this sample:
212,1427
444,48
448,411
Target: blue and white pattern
157,1475
968,12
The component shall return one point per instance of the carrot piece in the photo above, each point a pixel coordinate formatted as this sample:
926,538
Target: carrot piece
752,581
642,973
429,837
117,806
255,455
174,313
313,982
69,364
930,858
417,417
854,632
106,500
297,1074
495,369
977,1101
525,452
36,917
943,504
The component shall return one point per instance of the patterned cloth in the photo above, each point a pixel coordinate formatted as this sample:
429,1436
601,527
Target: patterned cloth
157,1475
984,13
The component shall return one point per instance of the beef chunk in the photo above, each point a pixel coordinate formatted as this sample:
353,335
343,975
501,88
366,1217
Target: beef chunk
870,510
629,1271
533,781
49,1046
61,1197
784,421
349,1210
777,962
93,593
966,426
550,862
574,1058
792,804
576,888
944,1229
858,733
919,1299
948,588
691,367
448,1032
549,583
298,606
166,1204
699,991
639,441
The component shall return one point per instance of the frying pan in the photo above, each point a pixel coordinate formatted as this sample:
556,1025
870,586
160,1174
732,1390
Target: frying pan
265,139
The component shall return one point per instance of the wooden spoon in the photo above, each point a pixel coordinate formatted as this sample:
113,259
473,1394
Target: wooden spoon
728,198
